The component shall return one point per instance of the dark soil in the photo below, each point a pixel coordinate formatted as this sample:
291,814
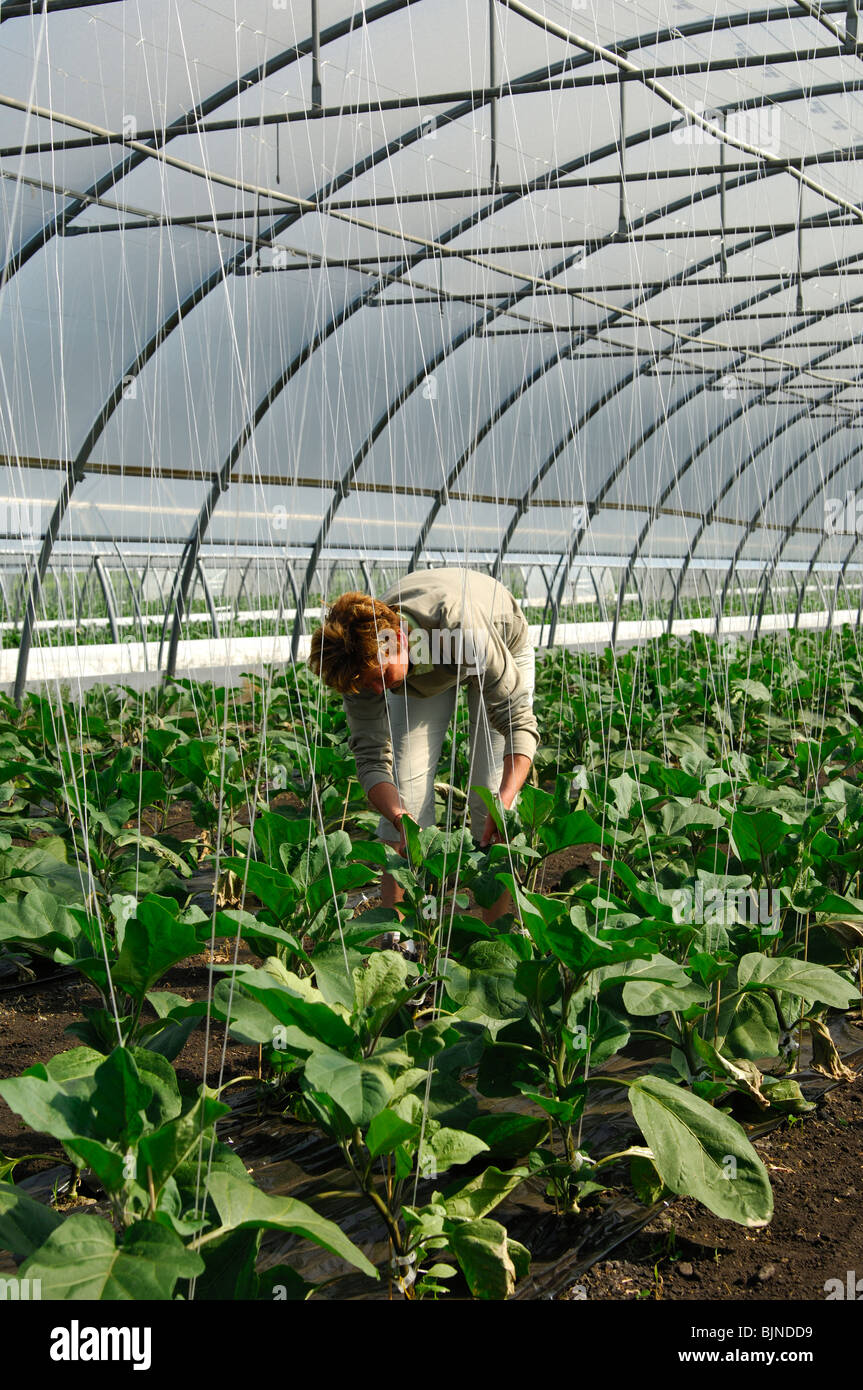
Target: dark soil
816,1169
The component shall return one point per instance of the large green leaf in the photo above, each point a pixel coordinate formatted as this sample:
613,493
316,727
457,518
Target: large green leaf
757,835
700,1152
81,1260
76,1064
387,1130
334,965
747,1026
229,1267
484,987
582,952
153,941
482,1250
444,1148
177,1020
108,1164
47,1107
173,1144
243,1205
340,879
24,1223
476,1197
43,866
578,828
509,1136
120,1099
679,820
655,967
796,977
38,920
361,1089
250,1020
647,997
380,982
299,1004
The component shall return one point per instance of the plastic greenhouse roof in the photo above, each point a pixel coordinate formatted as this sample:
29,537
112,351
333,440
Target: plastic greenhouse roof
432,277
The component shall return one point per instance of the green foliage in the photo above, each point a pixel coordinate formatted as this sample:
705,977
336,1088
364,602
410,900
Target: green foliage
706,802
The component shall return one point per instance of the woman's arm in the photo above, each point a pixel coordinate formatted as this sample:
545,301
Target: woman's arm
516,767
385,798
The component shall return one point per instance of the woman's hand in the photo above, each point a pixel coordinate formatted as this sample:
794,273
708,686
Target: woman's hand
490,833
515,772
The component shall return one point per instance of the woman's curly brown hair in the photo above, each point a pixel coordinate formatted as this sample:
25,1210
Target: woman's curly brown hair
346,645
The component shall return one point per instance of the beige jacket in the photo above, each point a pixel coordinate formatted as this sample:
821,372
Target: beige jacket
463,624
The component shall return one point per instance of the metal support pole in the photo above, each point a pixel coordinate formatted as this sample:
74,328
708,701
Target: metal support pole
555,601
494,172
135,604
800,308
84,592
62,610
622,215
211,607
603,611
317,102
23,585
851,27
723,253
105,582
240,587
548,598
289,581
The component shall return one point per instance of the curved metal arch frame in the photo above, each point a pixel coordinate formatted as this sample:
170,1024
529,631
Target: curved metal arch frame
627,381
733,478
77,470
653,511
340,490
407,263
790,529
759,399
341,487
135,604
681,403
280,60
560,355
774,488
185,570
840,583
185,125
541,473
843,569
852,549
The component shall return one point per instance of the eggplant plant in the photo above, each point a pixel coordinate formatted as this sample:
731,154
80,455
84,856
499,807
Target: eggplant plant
391,1097
181,1218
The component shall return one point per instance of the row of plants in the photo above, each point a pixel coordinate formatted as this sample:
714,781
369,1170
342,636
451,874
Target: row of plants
685,885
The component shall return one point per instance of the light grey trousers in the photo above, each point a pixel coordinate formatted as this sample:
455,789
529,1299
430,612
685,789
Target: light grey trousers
418,728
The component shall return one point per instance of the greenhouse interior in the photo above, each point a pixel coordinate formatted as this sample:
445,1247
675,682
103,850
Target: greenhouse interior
339,967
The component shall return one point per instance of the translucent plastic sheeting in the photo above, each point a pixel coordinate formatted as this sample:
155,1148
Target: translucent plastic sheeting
429,279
